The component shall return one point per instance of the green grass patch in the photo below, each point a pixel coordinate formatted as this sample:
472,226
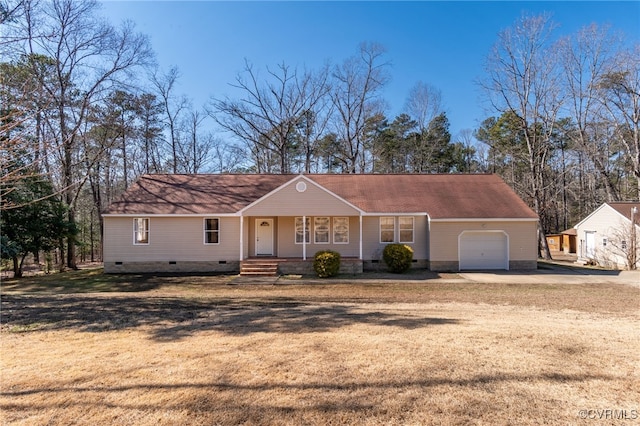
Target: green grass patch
26,328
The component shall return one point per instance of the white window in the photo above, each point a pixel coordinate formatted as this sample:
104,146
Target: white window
302,232
406,229
321,230
387,229
341,230
212,231
141,231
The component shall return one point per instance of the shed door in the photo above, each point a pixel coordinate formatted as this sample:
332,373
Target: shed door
590,244
484,250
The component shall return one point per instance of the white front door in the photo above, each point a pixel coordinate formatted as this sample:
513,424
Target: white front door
264,237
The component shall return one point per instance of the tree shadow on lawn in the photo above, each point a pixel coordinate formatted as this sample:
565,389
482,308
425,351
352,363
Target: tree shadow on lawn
176,318
234,402
94,280
338,385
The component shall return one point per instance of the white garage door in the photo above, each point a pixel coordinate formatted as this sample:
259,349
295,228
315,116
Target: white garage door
484,250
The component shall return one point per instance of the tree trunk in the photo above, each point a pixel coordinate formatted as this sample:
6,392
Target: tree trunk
17,267
125,165
61,265
91,237
544,251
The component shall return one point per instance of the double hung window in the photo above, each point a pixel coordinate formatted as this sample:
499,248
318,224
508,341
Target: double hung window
321,230
406,229
405,226
212,231
302,231
341,230
387,229
141,231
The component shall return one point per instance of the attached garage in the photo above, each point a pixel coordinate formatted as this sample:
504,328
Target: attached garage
483,250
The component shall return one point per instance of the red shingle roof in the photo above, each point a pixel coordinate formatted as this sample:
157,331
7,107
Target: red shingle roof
482,196
440,195
624,208
194,194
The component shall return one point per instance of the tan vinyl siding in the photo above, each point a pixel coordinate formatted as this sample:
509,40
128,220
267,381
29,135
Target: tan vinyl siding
246,237
372,247
170,239
288,248
444,238
314,201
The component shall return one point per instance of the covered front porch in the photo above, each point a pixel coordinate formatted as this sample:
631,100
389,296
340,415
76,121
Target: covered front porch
297,220
299,238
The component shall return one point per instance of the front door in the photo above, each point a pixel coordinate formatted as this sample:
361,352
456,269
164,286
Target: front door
264,237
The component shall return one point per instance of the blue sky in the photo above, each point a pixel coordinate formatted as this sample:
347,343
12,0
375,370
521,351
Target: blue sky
443,44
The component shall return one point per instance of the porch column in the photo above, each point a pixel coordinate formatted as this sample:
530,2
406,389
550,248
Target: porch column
360,255
304,237
241,237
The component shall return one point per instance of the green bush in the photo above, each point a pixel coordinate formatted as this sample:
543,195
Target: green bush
398,257
326,263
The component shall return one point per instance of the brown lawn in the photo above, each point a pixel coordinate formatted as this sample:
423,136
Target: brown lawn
194,350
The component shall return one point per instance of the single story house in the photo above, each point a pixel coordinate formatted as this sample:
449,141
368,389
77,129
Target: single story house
606,237
220,222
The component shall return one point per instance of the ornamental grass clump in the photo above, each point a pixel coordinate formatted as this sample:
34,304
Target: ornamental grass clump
398,257
326,263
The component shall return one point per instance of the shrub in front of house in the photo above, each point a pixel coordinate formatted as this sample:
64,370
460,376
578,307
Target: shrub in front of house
398,257
326,263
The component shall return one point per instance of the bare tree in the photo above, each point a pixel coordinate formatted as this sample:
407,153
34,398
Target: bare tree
275,115
173,106
89,58
423,104
195,146
149,111
466,141
585,57
226,157
620,87
523,80
355,96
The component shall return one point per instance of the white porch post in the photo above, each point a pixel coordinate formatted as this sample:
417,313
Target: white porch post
304,237
241,237
360,255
